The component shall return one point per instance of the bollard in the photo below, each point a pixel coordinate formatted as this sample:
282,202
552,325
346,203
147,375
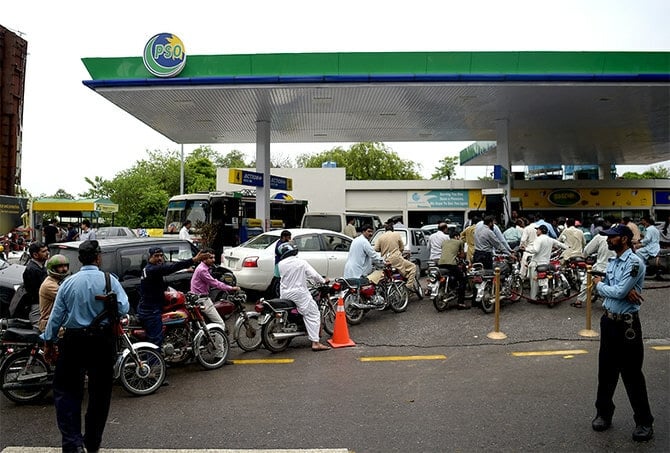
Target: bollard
588,332
497,334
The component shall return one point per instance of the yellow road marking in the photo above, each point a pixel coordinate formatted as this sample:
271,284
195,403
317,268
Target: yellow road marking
392,358
260,361
661,348
538,353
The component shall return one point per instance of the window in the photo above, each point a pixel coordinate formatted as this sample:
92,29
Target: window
308,243
337,243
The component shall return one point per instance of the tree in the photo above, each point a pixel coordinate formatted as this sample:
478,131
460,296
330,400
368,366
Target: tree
659,172
447,168
62,194
234,159
99,188
364,161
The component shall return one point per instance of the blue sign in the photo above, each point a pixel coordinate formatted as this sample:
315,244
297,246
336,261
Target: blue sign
500,173
164,55
662,197
281,183
251,178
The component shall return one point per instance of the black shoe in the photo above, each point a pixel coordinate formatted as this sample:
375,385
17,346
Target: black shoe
601,423
643,433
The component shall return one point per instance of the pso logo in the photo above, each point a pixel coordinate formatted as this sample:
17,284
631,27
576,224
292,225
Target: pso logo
164,55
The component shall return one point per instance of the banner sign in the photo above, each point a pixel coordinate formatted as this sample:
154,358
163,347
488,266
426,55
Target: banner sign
438,199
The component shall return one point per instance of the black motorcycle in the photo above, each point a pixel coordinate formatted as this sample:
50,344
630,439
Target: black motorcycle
281,322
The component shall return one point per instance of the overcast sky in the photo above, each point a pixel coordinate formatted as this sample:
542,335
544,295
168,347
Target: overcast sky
71,132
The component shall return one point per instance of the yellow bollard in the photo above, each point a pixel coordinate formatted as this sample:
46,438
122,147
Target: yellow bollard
497,334
588,332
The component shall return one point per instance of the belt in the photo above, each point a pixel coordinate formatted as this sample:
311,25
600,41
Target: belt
621,316
87,331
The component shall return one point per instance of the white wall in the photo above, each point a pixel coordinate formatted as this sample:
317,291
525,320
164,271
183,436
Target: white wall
323,188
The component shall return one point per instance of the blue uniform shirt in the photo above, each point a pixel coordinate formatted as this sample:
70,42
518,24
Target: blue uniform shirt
619,281
75,306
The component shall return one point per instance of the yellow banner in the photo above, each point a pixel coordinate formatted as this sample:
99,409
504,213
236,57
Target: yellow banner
573,198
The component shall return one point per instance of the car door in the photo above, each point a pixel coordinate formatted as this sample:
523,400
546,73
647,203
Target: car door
420,250
337,251
311,250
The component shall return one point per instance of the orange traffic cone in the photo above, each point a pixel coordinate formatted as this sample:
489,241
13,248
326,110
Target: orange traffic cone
340,337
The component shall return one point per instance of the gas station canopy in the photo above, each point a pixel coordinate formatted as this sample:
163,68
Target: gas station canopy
559,107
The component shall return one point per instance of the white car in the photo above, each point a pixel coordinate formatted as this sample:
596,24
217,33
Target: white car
253,262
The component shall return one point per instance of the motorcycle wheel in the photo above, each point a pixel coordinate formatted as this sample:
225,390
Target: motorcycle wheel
397,296
212,354
354,315
488,300
516,288
328,316
248,334
272,344
147,376
440,301
16,365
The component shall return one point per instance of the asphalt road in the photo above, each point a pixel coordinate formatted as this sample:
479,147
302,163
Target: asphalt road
419,381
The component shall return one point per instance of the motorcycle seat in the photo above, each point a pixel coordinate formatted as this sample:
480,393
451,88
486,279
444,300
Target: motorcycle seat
281,303
544,268
21,335
356,282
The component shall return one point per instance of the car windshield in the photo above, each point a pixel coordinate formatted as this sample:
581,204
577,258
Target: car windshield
262,241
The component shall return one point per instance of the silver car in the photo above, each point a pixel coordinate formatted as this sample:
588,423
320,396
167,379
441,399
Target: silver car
416,245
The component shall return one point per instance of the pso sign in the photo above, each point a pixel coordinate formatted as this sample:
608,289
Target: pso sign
164,55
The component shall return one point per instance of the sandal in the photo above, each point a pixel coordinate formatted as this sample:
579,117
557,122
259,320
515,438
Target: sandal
576,304
321,347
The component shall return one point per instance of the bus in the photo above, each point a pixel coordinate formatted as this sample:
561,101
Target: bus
233,212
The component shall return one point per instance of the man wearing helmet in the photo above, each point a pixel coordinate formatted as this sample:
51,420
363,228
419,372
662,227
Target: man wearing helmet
293,286
58,267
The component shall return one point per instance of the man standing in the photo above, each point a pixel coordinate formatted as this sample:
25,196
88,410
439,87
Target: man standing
390,246
87,349
528,236
50,232
621,348
435,241
152,288
468,236
350,229
541,254
486,242
627,221
33,276
185,232
573,237
86,232
361,254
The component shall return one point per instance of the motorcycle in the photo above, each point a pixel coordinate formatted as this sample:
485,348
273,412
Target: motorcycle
247,330
511,283
575,271
442,288
552,283
186,333
26,377
361,295
281,322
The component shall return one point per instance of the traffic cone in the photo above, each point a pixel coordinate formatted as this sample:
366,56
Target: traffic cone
340,337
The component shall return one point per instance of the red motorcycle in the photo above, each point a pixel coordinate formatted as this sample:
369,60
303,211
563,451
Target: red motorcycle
186,333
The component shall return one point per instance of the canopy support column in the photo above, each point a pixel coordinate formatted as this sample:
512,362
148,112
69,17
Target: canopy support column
263,166
502,159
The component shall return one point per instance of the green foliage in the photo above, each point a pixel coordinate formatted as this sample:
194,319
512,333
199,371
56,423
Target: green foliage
62,194
659,172
364,161
234,159
447,168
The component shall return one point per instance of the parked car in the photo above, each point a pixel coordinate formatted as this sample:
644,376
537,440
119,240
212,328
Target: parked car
432,228
115,231
126,257
336,221
416,245
253,262
11,276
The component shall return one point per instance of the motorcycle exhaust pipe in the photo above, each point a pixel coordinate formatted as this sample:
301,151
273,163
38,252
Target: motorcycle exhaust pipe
285,335
25,385
363,306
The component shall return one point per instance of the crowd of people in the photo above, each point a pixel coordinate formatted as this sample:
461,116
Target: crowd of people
65,310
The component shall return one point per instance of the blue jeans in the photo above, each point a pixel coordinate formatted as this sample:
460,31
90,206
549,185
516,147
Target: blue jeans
152,321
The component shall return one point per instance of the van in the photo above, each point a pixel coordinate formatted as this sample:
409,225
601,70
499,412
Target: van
336,221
